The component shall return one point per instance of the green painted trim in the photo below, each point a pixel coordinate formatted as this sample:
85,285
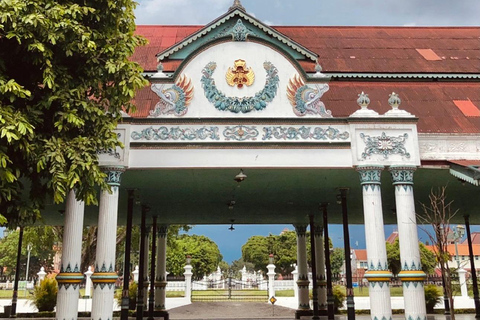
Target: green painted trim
222,20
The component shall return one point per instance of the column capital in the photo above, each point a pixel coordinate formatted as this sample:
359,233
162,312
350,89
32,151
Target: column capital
370,174
318,230
162,230
402,174
113,174
301,229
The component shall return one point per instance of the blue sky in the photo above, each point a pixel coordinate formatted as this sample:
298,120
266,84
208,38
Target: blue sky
230,242
316,12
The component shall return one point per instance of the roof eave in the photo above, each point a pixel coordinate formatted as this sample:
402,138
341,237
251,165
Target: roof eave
227,16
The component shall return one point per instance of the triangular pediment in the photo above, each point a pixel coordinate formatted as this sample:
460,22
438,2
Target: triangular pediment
236,25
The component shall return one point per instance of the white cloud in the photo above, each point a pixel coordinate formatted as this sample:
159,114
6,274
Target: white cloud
179,11
410,24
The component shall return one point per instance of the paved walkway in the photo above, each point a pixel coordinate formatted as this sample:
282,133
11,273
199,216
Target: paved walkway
181,309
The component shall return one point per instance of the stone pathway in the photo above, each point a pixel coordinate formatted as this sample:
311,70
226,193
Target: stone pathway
231,310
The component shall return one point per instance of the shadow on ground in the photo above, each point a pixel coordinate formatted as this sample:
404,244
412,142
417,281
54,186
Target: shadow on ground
231,310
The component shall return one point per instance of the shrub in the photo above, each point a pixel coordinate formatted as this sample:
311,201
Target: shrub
45,295
338,297
432,297
132,295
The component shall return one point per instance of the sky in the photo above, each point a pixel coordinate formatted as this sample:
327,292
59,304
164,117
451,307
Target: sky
307,12
317,12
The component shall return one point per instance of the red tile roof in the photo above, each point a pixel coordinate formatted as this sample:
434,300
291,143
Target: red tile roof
361,254
462,249
352,49
468,108
431,102
392,237
474,235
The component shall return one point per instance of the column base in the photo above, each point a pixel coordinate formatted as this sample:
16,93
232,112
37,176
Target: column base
309,313
156,314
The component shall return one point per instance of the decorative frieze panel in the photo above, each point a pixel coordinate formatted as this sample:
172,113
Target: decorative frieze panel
385,144
239,133
117,156
449,147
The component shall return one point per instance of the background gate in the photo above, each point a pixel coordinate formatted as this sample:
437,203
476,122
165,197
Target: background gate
230,289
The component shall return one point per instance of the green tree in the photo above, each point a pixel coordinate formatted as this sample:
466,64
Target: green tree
285,251
65,77
204,253
427,258
42,239
238,265
256,251
336,260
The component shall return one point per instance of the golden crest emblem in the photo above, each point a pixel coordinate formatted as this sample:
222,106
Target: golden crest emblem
240,75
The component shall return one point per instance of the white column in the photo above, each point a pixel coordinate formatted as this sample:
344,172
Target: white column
320,263
244,276
378,275
104,275
88,282
411,275
188,280
295,279
161,274
135,274
302,282
145,269
70,276
271,277
463,282
41,275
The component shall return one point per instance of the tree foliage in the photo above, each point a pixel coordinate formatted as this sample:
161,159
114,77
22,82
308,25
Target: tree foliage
204,253
42,238
65,77
427,258
336,260
283,247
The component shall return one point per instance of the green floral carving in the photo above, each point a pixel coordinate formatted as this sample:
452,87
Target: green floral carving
305,133
384,145
246,104
177,133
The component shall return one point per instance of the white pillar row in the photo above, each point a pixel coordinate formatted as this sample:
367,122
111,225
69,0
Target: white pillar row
188,280
302,282
161,274
320,263
145,269
88,282
104,275
41,275
271,277
378,275
411,274
70,275
295,279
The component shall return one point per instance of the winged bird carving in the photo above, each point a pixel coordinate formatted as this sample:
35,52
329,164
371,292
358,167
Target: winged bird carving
174,100
305,99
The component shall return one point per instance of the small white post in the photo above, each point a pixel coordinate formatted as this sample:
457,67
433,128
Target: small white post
244,277
88,282
271,277
135,274
295,279
41,275
188,279
463,282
